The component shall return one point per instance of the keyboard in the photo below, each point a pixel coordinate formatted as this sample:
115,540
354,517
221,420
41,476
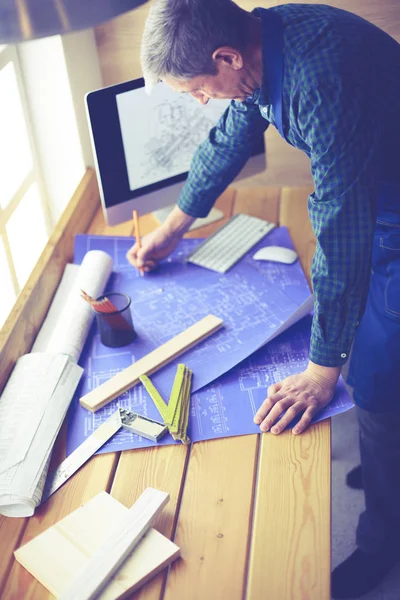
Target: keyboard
228,245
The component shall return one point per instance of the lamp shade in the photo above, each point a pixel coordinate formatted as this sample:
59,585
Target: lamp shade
22,20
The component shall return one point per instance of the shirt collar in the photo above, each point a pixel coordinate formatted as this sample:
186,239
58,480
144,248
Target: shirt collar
261,94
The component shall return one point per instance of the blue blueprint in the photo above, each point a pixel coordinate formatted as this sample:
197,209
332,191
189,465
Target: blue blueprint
227,406
254,298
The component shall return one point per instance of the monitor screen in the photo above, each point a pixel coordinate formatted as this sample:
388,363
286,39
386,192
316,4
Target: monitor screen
143,144
160,143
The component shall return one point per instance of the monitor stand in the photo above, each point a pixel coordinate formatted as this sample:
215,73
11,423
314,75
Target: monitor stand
214,215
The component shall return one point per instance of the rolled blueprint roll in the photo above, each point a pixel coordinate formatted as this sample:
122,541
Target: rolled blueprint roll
67,324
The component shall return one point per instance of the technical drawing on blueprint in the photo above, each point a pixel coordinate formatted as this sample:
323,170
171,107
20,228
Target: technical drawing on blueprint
225,407
254,299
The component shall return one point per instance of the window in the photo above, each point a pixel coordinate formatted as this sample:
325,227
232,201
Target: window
24,210
44,145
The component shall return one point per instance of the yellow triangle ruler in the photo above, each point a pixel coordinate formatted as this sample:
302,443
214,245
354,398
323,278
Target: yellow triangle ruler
176,413
175,393
179,426
158,400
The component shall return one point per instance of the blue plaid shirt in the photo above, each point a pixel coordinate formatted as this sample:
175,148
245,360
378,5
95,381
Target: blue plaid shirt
341,101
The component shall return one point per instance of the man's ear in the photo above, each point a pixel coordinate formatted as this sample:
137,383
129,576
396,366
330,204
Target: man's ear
229,57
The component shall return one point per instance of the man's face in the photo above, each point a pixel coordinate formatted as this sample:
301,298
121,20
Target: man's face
225,85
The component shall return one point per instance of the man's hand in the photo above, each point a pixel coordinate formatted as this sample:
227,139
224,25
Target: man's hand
161,242
305,393
155,246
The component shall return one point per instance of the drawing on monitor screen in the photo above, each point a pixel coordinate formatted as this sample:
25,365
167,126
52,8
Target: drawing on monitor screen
161,132
177,131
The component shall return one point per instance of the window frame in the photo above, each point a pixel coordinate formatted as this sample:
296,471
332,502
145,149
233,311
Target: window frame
9,54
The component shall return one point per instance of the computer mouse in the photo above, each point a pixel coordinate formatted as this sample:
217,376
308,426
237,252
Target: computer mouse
276,254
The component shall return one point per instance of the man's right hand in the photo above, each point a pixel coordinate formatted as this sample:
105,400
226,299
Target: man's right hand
155,246
161,242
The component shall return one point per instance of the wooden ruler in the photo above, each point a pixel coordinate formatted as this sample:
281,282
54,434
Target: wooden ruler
150,363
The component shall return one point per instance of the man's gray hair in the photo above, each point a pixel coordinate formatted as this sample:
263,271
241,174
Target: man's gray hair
180,37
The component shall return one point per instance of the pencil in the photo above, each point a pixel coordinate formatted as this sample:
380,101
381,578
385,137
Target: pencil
108,311
137,235
105,305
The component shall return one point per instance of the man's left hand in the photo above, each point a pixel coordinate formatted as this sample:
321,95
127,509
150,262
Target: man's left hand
306,393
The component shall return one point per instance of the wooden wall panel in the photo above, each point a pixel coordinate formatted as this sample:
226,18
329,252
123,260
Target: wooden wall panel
118,44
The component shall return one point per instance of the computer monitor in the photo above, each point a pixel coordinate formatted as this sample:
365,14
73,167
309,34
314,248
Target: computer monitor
143,145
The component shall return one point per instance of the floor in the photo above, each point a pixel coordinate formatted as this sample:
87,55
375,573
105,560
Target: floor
347,503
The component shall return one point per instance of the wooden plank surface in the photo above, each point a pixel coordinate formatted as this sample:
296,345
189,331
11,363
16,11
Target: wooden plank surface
225,203
163,468
211,487
94,477
57,555
116,547
98,226
214,520
11,532
290,549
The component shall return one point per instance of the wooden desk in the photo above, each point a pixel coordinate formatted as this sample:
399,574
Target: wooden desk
251,514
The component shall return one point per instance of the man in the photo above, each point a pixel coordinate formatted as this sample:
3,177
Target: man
330,82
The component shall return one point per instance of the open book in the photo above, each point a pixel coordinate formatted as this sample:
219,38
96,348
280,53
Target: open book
36,398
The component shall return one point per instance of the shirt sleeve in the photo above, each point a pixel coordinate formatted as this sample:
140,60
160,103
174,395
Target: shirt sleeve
338,124
221,156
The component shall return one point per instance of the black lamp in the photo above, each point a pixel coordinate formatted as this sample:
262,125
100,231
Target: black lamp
22,20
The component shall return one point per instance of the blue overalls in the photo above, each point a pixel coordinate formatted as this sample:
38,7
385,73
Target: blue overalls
375,364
